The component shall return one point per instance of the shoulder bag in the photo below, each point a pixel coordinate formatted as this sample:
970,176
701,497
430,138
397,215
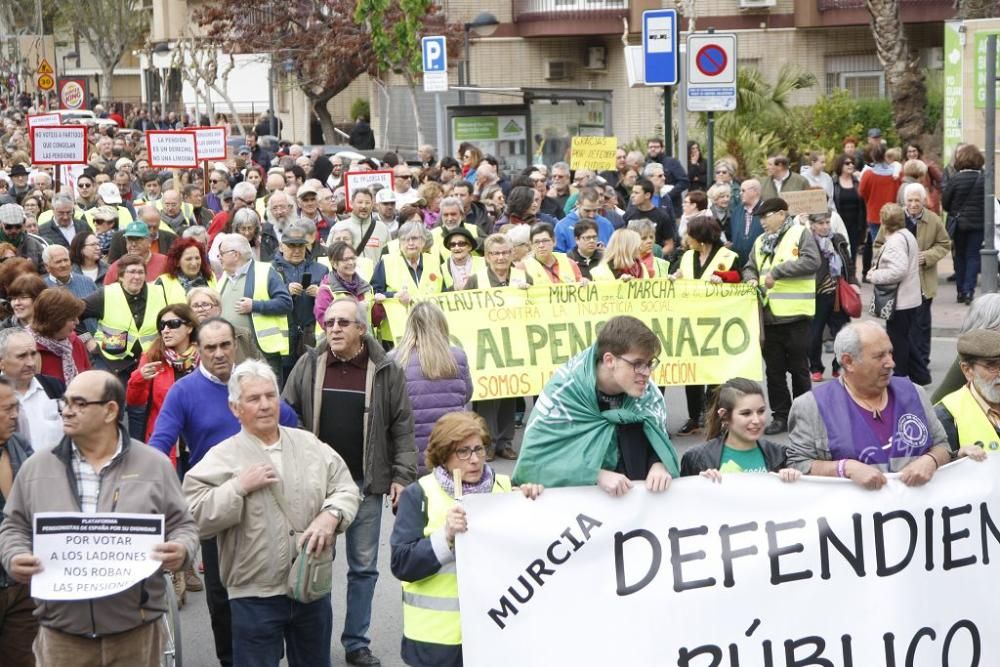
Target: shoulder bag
311,576
883,305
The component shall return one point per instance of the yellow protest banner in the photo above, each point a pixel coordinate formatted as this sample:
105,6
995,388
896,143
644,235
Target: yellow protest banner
515,339
596,153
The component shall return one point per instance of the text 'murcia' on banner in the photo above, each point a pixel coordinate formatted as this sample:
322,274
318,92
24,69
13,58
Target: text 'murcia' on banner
515,339
752,572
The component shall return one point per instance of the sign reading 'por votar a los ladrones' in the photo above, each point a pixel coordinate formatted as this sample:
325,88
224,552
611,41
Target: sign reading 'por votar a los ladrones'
749,572
172,149
88,556
58,144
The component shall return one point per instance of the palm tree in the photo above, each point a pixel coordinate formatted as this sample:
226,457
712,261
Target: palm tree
742,132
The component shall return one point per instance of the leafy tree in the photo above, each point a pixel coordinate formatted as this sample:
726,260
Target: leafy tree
396,28
110,27
977,9
318,40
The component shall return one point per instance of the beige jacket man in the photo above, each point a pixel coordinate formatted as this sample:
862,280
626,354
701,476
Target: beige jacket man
256,542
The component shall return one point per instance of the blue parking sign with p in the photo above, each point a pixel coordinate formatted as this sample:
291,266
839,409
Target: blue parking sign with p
435,54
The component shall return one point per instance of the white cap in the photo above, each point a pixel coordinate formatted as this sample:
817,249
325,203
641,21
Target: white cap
109,194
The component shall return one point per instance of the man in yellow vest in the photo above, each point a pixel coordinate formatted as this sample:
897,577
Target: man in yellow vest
254,297
971,415
783,264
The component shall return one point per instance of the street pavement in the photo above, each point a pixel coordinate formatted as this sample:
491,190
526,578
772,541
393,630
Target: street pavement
387,620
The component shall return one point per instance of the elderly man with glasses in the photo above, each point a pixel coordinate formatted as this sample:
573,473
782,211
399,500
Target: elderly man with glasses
363,412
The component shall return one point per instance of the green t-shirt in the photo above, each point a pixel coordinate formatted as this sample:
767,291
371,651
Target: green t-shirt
736,460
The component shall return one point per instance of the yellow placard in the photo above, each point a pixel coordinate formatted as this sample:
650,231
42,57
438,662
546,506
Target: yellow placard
597,153
46,82
515,339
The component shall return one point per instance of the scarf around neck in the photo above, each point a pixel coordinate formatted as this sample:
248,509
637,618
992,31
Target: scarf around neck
62,349
569,440
770,241
447,482
182,362
830,254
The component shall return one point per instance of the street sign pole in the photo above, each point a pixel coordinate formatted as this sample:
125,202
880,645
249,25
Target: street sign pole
710,139
682,130
668,121
989,251
659,52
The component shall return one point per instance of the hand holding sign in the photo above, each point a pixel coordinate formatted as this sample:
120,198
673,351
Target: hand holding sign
171,554
25,566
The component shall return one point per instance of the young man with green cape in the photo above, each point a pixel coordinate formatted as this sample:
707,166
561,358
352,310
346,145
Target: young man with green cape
600,419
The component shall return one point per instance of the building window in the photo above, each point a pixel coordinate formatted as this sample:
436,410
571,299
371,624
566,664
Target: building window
859,74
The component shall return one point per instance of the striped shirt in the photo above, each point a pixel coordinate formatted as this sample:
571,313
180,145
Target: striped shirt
88,480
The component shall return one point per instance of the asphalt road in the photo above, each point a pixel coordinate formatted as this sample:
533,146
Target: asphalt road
387,621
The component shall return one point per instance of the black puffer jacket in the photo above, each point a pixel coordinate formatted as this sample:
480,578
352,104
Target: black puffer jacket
963,197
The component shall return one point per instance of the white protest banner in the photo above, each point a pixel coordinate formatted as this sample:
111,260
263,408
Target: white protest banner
211,142
58,144
752,571
172,149
40,119
88,556
354,180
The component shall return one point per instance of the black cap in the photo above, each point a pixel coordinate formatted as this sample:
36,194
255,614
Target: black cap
459,231
772,205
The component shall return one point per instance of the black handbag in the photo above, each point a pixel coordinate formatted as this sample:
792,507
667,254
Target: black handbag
883,304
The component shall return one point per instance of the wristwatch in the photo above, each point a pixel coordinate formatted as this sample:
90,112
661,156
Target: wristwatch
337,514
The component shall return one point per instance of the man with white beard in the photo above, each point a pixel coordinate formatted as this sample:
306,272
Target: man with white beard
971,415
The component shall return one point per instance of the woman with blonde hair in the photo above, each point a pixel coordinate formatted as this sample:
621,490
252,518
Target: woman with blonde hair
437,374
621,258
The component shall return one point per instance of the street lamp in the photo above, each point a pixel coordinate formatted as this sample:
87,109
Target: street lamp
484,25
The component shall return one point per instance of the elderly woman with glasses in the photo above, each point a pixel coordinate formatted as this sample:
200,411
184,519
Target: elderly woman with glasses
410,272
423,537
126,313
206,304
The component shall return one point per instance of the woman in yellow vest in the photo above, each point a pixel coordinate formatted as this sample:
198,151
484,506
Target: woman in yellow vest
126,317
423,538
545,266
408,273
709,260
460,264
187,267
621,258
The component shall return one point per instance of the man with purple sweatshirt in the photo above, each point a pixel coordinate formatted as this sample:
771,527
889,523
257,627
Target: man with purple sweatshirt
196,409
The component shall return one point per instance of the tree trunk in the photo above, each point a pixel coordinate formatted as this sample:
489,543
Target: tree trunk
903,76
976,9
412,85
318,105
107,74
387,100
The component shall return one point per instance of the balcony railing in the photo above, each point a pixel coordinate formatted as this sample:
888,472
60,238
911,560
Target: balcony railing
568,10
829,5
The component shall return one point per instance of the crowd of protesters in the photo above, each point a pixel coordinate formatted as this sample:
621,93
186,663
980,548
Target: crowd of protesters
234,319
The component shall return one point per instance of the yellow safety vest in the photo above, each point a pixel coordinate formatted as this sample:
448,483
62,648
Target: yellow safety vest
430,606
260,205
514,275
541,276
449,280
116,330
603,273
46,216
397,275
174,291
271,330
972,423
722,261
789,296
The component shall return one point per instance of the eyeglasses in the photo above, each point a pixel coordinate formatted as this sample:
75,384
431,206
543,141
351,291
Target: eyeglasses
721,171
202,305
641,367
84,185
77,403
589,237
223,253
135,272
465,453
542,242
499,253
459,244
991,365
176,323
244,201
404,175
341,322
214,180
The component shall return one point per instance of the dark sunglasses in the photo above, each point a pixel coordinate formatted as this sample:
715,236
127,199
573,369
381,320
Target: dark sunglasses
404,175
176,323
458,244
6,226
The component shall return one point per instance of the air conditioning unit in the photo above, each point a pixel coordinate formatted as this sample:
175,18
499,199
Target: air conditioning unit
934,57
757,4
597,58
558,70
